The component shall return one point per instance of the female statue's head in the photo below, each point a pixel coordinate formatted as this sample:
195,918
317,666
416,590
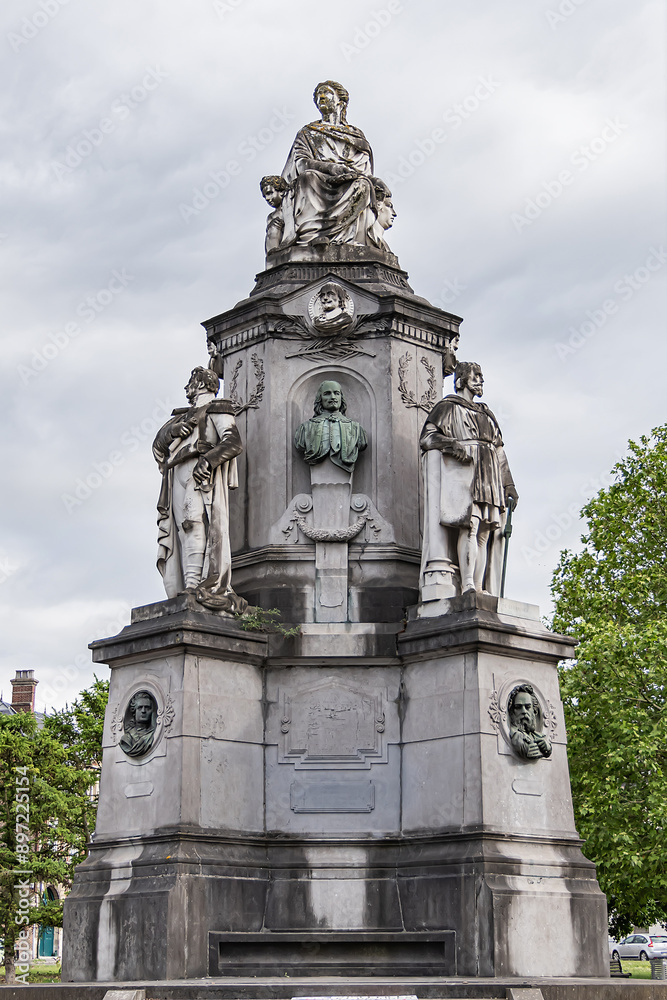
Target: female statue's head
328,94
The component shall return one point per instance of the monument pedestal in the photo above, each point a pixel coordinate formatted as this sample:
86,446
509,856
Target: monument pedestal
342,802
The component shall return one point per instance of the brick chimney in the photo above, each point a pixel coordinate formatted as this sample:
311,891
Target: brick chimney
23,691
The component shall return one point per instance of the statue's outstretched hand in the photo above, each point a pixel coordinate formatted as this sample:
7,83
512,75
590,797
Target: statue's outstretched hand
511,494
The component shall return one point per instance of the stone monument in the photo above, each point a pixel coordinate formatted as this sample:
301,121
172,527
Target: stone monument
385,792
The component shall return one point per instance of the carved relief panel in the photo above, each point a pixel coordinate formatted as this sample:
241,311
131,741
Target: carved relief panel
332,725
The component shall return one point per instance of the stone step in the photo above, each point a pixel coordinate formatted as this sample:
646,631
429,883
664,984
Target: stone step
365,988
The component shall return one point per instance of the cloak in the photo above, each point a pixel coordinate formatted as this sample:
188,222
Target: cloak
331,435
473,426
216,437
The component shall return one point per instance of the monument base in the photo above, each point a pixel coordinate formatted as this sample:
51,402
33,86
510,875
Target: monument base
334,803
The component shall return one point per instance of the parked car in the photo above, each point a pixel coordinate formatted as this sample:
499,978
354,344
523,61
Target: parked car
641,946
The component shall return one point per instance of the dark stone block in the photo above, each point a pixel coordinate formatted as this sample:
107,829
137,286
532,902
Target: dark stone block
359,953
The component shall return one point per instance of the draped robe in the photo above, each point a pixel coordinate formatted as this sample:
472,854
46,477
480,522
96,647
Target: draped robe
316,204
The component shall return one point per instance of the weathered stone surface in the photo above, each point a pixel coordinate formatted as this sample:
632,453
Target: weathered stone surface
352,779
328,193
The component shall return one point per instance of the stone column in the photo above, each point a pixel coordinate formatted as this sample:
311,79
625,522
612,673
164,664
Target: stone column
331,487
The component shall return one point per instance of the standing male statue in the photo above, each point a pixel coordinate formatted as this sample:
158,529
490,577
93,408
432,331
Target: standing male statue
468,485
196,451
329,433
331,195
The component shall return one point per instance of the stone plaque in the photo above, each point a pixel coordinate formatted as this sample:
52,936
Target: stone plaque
332,797
526,786
138,789
332,725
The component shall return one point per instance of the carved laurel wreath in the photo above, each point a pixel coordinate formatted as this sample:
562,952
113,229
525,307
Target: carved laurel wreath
116,724
496,713
428,399
338,535
341,347
257,394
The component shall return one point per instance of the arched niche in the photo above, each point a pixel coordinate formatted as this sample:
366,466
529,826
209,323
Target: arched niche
361,406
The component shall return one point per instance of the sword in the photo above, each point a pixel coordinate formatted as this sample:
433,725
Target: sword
507,533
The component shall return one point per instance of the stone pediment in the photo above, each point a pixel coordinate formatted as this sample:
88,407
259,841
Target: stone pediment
299,303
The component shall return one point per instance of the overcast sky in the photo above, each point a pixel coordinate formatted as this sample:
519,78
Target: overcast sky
538,216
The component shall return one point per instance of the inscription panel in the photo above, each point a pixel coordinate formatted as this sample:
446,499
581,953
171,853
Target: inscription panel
332,796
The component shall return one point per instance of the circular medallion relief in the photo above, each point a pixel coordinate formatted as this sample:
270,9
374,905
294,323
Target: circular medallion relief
139,724
331,310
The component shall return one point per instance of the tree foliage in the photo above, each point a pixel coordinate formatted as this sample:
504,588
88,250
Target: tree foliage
48,782
612,596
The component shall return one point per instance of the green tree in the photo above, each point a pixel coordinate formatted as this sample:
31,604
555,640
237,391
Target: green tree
48,798
612,596
79,730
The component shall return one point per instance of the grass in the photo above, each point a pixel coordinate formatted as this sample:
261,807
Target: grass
639,970
39,973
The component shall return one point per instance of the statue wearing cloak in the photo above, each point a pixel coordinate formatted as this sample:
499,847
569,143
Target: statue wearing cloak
193,509
474,426
467,488
330,192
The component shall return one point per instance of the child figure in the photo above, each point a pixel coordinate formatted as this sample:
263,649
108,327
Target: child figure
273,188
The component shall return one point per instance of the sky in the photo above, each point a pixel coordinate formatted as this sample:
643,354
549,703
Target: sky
524,143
